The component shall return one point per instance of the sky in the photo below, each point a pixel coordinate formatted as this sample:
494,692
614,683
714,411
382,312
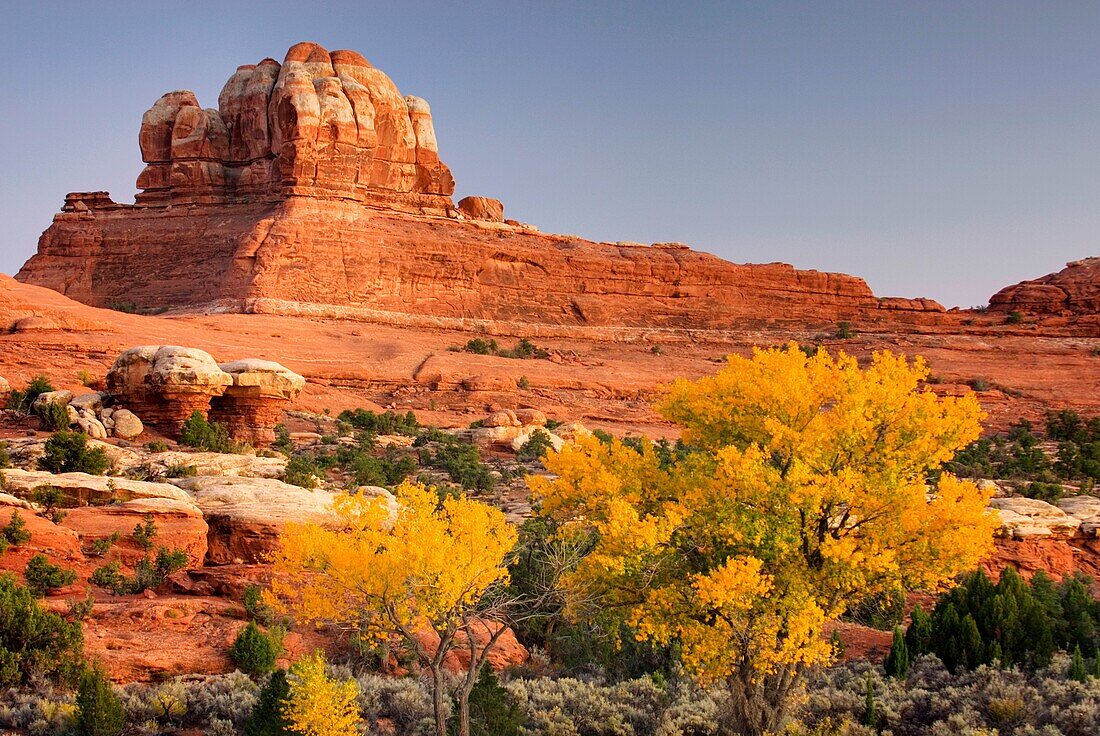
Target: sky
939,149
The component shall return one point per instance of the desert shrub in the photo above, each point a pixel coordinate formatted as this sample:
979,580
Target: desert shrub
68,452
844,331
523,350
282,442
50,499
369,470
492,712
405,701
54,416
43,577
108,576
980,384
149,572
254,651
1014,318
201,434
536,446
101,547
98,708
1049,492
21,401
1016,455
157,446
15,531
5,456
180,470
268,716
41,711
35,642
302,471
388,422
145,532
462,462
254,606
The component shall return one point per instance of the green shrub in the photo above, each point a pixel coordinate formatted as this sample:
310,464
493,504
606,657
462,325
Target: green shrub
1012,622
461,462
68,452
145,532
388,470
897,660
157,446
388,422
108,576
523,384
201,434
492,712
1014,318
22,401
99,710
5,457
34,642
536,446
54,416
844,331
302,471
15,531
254,605
268,717
49,498
254,651
100,547
282,443
43,577
1049,492
980,384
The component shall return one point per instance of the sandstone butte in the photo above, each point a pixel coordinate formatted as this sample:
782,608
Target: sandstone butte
309,221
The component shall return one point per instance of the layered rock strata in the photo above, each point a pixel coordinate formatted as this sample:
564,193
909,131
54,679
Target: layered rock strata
316,188
1072,292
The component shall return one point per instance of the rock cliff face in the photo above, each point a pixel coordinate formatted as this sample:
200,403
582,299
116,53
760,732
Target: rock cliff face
1072,292
316,188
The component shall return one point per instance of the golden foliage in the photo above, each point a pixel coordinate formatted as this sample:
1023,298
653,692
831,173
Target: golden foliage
807,491
387,572
319,705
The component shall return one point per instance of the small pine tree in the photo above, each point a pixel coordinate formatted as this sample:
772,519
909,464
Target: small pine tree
1077,670
897,661
43,577
98,708
253,651
268,717
492,713
15,531
870,709
918,637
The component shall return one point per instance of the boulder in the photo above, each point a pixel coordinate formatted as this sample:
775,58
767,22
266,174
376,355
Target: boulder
82,489
530,417
247,515
91,401
1026,518
482,208
527,432
50,398
125,424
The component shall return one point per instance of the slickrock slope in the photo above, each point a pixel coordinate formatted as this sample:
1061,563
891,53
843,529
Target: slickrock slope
316,188
1072,292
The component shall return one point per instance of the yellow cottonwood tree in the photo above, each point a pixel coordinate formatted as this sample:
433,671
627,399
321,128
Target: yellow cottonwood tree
805,491
387,574
319,705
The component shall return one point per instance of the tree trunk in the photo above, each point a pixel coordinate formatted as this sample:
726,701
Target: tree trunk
464,712
758,706
437,699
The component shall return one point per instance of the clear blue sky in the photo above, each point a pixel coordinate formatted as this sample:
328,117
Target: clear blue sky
938,149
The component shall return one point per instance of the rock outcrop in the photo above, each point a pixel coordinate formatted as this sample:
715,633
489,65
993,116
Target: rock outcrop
165,384
319,124
254,403
1072,292
316,188
1038,536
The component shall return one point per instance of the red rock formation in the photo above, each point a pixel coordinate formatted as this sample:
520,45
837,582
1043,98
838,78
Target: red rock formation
164,385
316,188
319,124
1073,291
255,402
